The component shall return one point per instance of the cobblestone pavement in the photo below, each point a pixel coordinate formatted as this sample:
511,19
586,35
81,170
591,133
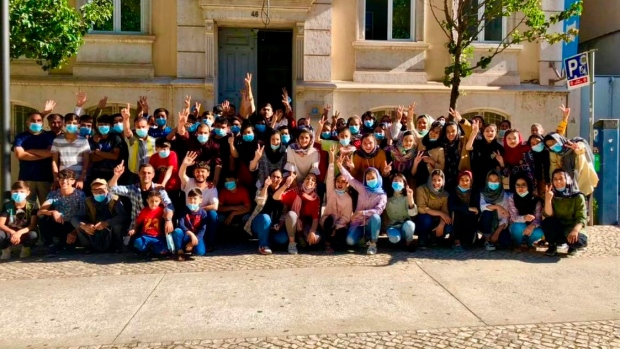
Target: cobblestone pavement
604,242
595,335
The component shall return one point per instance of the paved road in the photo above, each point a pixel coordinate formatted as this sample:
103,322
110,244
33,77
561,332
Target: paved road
238,299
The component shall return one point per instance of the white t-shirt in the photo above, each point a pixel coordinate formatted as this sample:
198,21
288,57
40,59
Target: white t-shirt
209,196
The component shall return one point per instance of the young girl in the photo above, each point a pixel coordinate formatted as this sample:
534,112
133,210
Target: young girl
369,122
433,211
355,124
402,155
342,143
366,221
301,157
430,156
423,125
453,141
575,158
369,156
189,236
493,207
565,214
399,210
518,159
525,213
486,153
541,163
269,158
18,222
337,214
463,203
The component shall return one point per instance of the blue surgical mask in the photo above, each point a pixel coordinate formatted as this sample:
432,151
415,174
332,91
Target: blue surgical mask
432,139
493,185
501,133
220,132
524,194
369,123
538,147
422,133
260,127
345,141
193,207
142,132
326,135
379,136
35,127
71,128
19,197
556,148
192,128
275,147
235,129
398,186
354,129
339,191
372,183
164,154
209,122
85,131
160,122
286,139
560,189
248,137
104,130
462,190
100,197
202,138
230,185
118,128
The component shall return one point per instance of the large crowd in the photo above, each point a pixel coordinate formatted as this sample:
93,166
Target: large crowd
115,183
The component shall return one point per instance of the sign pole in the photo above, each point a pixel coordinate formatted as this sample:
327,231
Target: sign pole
591,124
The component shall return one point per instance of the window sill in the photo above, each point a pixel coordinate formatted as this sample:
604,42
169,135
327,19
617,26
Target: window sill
119,38
390,45
486,46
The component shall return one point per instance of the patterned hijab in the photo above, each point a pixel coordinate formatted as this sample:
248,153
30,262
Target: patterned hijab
493,196
441,192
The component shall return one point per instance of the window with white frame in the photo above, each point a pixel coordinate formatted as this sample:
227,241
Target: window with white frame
128,17
390,20
493,30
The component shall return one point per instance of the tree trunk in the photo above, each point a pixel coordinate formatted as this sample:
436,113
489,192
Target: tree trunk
456,80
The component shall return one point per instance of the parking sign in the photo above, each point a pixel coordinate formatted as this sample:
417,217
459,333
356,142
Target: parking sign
577,71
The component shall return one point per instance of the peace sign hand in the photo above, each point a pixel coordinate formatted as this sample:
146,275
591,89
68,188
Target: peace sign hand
387,168
565,111
332,154
290,179
248,80
125,112
475,128
549,192
119,169
418,158
456,115
326,110
399,113
259,152
188,101
267,182
409,192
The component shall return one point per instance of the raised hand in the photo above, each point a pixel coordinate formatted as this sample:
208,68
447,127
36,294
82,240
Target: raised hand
411,109
285,101
144,105
276,116
119,169
418,158
332,154
259,151
549,192
267,181
322,121
231,141
499,158
197,107
456,115
80,98
400,110
187,101
326,110
226,106
335,116
565,111
248,80
190,158
409,193
125,112
290,179
475,128
102,102
182,118
49,106
387,168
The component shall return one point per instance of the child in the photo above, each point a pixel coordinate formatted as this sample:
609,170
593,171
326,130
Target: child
18,222
463,203
399,210
107,151
189,236
71,152
166,167
525,212
161,119
434,220
494,213
149,225
339,207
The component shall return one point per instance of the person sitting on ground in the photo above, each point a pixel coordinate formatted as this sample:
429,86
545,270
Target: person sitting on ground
494,215
525,213
433,221
269,158
399,212
463,204
148,226
101,226
234,202
338,209
18,222
302,158
189,236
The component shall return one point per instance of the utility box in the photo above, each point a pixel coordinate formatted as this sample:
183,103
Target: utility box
607,164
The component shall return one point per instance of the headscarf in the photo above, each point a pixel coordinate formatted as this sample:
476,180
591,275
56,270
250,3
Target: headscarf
429,122
302,193
493,196
569,158
465,197
379,188
452,151
298,148
274,156
245,149
541,159
571,189
426,141
524,205
513,156
429,184
367,156
401,155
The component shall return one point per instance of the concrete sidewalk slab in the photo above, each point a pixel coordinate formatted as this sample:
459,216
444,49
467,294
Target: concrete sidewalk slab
70,311
294,302
503,292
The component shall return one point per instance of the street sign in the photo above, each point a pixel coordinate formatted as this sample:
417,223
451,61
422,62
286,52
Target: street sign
577,71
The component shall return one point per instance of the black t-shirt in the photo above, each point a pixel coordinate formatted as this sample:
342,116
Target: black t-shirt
18,218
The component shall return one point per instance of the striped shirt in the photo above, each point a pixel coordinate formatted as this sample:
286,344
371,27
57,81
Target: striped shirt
71,154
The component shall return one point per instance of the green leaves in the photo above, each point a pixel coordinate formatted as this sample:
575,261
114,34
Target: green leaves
52,31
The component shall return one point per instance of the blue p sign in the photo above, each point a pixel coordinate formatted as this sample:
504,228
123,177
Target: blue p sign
577,71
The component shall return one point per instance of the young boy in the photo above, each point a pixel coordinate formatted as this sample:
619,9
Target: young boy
189,236
106,154
149,224
166,165
141,146
18,222
161,119
71,152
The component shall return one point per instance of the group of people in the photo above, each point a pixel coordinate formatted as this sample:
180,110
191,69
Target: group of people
107,182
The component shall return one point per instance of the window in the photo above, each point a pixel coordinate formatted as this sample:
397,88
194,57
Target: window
493,30
390,19
489,117
20,116
128,17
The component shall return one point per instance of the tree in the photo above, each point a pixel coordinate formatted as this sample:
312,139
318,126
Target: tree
52,31
462,21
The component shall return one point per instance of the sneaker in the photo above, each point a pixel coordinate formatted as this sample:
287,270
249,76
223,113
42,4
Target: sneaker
52,251
25,253
264,250
292,248
572,251
458,248
489,246
551,251
372,248
563,248
6,254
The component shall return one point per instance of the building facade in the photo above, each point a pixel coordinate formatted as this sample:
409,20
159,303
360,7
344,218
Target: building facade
356,55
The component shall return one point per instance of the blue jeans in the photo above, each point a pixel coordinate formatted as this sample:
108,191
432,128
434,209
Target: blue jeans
212,223
373,227
261,227
401,231
488,223
516,231
425,224
181,240
144,242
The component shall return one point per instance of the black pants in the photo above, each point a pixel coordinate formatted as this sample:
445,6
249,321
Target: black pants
50,230
102,240
338,239
465,227
27,240
556,233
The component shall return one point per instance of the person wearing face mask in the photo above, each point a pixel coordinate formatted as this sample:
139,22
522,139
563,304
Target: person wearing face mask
343,146
494,215
189,236
504,126
140,145
430,154
422,126
203,142
525,213
107,149
18,222
433,221
71,152
402,156
338,208
161,120
464,207
102,223
166,166
453,137
518,159
245,148
234,202
86,129
32,149
575,158
369,121
486,153
235,126
268,158
399,212
355,127
285,134
381,134
541,163
262,131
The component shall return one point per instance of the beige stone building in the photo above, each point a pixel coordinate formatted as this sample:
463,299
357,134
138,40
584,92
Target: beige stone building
356,55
